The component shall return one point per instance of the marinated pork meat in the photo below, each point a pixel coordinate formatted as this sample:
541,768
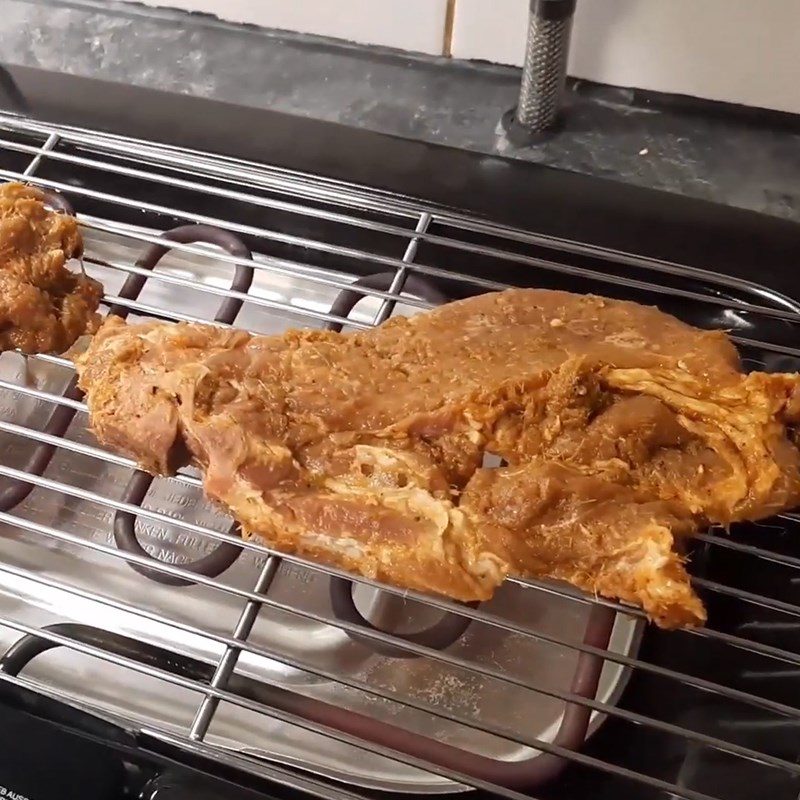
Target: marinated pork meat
621,429
44,307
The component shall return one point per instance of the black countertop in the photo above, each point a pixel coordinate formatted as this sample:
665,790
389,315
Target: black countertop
737,161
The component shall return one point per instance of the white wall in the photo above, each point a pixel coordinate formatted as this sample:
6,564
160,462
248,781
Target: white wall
409,25
734,50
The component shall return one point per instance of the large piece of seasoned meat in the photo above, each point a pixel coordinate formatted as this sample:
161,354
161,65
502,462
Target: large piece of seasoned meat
44,307
622,430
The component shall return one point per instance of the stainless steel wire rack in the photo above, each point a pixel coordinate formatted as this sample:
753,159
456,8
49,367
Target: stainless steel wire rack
132,598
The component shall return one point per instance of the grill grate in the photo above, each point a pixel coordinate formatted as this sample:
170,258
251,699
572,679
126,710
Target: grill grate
397,255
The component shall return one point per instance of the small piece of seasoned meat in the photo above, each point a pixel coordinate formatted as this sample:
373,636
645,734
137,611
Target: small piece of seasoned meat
44,307
622,431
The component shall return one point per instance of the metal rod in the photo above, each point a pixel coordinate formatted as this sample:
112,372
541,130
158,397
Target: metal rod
555,589
227,662
40,394
748,597
263,263
617,257
446,606
244,646
247,230
452,660
792,316
558,590
52,141
399,280
251,705
190,480
177,316
748,549
205,188
386,752
397,263
738,642
177,280
247,647
236,174
288,182
565,269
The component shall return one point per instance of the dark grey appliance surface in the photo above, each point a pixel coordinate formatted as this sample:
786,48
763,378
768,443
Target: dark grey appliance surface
731,155
704,714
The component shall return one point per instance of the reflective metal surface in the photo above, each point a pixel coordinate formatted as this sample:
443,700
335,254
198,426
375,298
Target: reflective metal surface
255,667
155,704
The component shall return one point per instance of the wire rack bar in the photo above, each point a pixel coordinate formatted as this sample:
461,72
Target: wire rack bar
227,662
548,588
476,615
166,519
612,280
204,188
40,394
176,280
52,141
156,312
444,605
354,741
227,194
203,219
240,182
239,642
268,264
749,597
446,658
740,643
397,263
223,695
113,458
399,280
290,182
234,643
572,247
748,549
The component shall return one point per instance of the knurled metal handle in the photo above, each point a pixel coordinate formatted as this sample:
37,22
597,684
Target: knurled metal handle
544,72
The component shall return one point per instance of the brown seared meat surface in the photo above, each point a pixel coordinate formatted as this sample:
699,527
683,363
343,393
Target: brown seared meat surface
622,430
44,307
